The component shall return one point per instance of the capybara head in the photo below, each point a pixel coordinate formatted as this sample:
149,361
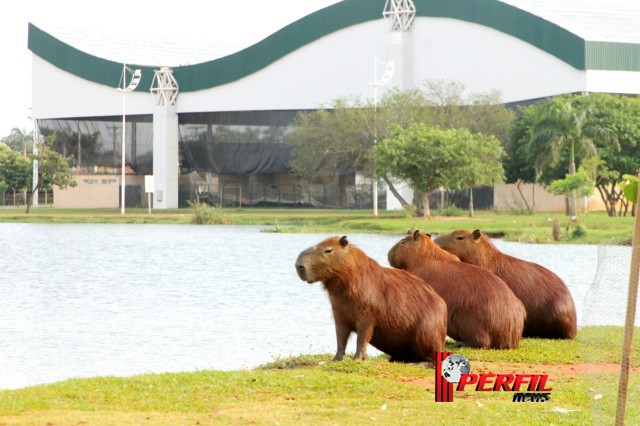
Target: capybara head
468,246
416,248
324,260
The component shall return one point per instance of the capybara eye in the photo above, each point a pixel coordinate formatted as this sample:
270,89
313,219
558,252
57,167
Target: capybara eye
329,250
460,237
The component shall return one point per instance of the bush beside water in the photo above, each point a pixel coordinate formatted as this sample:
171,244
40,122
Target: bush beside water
204,214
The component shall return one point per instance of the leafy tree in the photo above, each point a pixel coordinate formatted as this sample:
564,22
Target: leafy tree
579,183
618,157
15,170
617,153
429,158
564,126
331,141
483,166
53,168
479,112
19,140
629,185
341,137
328,142
519,164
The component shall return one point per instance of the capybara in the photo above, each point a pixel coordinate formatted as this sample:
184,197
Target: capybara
395,311
551,312
483,311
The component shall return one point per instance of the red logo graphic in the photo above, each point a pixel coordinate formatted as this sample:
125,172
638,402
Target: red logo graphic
452,368
444,388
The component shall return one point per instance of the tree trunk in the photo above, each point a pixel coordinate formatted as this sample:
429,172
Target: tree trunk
606,199
522,195
395,192
30,197
470,202
571,208
425,205
555,233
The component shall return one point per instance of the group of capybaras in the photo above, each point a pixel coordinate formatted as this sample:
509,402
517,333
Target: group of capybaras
458,285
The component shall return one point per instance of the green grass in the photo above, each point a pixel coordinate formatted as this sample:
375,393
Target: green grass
312,389
596,227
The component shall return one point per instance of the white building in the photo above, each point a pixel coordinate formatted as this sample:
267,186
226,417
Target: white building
230,114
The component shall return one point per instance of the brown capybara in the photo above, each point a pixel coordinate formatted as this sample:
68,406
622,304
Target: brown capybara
551,312
483,311
394,310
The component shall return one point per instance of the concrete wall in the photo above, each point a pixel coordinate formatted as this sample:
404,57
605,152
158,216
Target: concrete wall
507,197
94,191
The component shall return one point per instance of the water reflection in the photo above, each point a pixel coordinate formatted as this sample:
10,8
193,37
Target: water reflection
84,300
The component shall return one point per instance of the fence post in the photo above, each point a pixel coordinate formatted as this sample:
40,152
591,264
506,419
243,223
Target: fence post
627,344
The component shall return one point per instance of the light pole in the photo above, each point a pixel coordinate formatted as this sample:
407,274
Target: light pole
388,73
34,183
136,75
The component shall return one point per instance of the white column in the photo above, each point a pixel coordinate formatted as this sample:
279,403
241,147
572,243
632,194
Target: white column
165,157
166,169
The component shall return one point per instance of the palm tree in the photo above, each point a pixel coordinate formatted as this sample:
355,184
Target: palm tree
563,124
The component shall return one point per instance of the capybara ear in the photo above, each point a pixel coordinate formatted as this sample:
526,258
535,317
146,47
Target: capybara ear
416,235
476,234
343,241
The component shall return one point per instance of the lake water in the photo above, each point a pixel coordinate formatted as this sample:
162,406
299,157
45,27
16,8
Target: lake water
80,300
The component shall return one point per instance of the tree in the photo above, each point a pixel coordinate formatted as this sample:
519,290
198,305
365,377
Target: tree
629,185
479,112
341,137
329,142
429,158
619,156
15,170
519,162
617,153
19,140
564,126
579,183
53,168
483,164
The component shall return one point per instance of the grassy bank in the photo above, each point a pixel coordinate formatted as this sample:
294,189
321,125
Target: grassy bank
594,228
314,390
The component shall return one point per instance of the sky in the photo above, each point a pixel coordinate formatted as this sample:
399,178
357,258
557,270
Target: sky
231,21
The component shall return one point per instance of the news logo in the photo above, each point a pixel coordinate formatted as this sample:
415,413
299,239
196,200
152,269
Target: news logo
453,368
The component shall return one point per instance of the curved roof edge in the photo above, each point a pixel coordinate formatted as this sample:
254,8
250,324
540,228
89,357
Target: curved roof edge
503,17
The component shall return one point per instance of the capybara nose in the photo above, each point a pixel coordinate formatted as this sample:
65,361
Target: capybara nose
301,272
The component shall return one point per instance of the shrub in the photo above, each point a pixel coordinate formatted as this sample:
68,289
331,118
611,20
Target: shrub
578,231
204,214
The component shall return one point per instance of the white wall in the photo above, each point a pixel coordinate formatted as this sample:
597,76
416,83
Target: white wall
484,59
58,94
341,64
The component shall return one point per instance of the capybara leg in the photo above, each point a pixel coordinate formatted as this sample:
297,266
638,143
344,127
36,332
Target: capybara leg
365,332
342,337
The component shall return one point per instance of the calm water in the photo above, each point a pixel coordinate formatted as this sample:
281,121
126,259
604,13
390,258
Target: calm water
85,300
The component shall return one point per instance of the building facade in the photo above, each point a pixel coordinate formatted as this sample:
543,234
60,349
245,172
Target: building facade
230,116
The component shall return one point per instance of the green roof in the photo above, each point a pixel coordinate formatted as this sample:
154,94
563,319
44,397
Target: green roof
548,36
